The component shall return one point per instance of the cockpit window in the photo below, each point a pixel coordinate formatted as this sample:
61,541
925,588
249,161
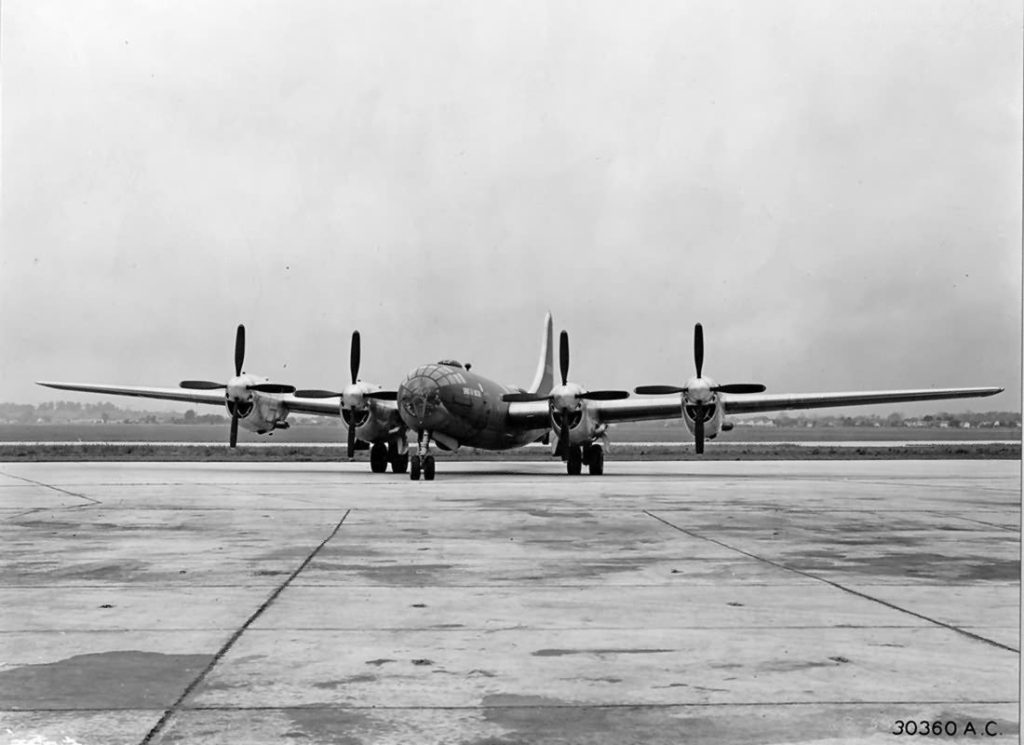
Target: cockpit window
451,363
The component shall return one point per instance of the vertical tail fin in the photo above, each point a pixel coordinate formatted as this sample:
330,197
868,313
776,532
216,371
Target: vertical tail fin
544,380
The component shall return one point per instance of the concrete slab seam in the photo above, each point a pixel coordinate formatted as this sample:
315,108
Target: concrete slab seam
50,486
838,586
176,706
975,520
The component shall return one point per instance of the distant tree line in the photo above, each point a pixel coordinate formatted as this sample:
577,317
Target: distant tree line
985,419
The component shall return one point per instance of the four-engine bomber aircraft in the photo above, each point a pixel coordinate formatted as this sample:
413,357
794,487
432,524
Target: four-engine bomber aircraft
448,405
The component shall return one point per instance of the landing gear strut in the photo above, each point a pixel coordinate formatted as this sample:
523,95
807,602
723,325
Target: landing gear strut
422,460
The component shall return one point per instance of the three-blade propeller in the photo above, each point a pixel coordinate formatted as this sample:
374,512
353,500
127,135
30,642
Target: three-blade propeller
699,393
237,390
565,399
353,398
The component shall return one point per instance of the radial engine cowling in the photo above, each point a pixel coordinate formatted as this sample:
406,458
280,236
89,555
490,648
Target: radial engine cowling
582,426
258,414
712,414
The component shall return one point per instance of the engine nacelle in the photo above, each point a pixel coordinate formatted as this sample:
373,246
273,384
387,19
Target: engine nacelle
583,427
259,414
373,422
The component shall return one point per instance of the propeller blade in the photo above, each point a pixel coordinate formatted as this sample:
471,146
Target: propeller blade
521,397
239,349
272,388
233,439
563,434
201,385
353,360
563,355
382,395
351,440
315,393
739,388
698,347
604,395
658,390
698,430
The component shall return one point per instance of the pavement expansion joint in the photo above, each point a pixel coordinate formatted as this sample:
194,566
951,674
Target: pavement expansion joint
90,502
178,704
977,521
838,586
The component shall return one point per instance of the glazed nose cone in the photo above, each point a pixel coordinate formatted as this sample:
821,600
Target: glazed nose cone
419,402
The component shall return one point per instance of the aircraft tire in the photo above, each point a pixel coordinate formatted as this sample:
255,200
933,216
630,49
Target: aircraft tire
596,461
574,460
428,468
400,463
378,457
414,468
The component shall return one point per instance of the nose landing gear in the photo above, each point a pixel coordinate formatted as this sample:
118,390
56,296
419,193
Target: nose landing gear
422,461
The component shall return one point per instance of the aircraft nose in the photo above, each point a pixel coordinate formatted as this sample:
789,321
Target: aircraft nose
419,401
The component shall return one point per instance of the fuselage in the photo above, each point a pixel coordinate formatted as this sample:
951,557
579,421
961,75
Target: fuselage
459,407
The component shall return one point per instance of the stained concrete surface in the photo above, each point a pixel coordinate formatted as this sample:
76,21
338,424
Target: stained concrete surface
718,602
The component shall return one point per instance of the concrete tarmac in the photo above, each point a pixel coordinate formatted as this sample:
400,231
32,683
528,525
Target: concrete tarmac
506,603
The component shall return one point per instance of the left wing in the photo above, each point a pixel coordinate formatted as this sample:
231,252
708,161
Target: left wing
320,407
752,403
535,414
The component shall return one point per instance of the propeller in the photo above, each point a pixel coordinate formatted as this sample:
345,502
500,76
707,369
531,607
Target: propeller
353,366
353,397
564,399
563,364
237,387
698,393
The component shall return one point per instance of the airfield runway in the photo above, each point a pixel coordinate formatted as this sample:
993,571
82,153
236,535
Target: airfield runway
506,603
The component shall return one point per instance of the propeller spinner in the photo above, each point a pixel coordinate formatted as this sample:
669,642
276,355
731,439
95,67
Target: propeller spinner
237,390
699,392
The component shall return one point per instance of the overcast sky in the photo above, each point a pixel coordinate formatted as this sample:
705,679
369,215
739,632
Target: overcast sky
832,188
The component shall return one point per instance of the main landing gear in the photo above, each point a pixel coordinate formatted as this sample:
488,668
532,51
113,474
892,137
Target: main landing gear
382,453
422,460
591,456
